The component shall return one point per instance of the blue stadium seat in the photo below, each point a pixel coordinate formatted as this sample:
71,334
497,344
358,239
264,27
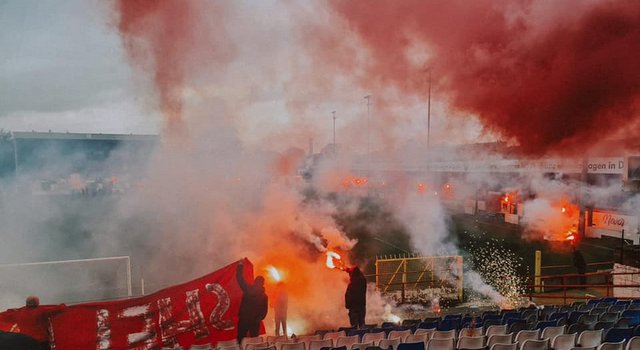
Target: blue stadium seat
612,300
509,315
558,315
615,335
634,315
429,325
593,301
453,316
574,316
623,302
491,317
544,324
449,324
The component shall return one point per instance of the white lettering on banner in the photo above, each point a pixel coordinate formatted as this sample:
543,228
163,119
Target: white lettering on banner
616,165
169,328
615,222
104,330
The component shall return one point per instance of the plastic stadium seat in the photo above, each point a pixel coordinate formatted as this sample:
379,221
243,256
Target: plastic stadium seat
292,346
547,311
410,322
471,332
636,331
594,301
535,344
612,346
449,323
500,339
307,338
471,342
390,343
516,327
508,315
526,335
388,324
398,334
585,307
488,323
623,322
428,325
227,343
251,340
552,332
589,339
230,347
588,319
347,341
444,334
598,311
615,335
617,308
604,325
319,344
272,339
468,321
545,324
634,315
611,300
361,346
634,306
513,346
563,342
558,315
411,346
438,344
253,346
201,347
497,329
609,316
432,319
334,335
580,348
487,317
373,337
577,328
425,331
416,338
375,348
453,317
358,332
574,316
633,344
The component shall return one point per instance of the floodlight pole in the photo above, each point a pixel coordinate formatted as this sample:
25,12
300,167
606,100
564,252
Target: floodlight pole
334,132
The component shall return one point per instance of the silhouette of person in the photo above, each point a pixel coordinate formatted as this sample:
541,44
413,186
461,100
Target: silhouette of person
280,306
355,298
254,304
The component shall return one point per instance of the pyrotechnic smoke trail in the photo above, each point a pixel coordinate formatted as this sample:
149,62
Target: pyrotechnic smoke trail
551,75
172,39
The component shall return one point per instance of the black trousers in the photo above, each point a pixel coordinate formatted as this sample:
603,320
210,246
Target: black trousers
251,326
356,318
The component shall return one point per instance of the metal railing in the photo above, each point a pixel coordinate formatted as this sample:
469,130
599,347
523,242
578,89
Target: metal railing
604,284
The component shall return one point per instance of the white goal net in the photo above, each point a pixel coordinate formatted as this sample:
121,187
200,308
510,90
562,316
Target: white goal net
67,281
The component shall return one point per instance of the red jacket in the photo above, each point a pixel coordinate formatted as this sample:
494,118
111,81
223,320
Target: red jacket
32,321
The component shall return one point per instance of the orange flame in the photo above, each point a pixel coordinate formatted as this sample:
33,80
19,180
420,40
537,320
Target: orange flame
274,273
331,256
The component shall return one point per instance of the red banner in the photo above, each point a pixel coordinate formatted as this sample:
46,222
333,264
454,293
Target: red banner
202,311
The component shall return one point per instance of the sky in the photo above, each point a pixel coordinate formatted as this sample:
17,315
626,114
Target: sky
543,75
64,68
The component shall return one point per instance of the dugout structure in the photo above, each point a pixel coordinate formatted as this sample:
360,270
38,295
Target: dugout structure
420,279
66,281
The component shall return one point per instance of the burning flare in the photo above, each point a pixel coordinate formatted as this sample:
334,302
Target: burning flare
332,257
274,273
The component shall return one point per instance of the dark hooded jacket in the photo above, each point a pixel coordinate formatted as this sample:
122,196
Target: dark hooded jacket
254,304
356,296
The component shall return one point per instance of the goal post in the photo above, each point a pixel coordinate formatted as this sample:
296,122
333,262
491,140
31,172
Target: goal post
66,281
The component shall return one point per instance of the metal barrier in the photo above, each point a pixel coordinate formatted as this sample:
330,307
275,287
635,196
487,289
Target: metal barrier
604,281
405,275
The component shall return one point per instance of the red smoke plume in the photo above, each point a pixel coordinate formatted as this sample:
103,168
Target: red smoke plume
171,39
549,74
